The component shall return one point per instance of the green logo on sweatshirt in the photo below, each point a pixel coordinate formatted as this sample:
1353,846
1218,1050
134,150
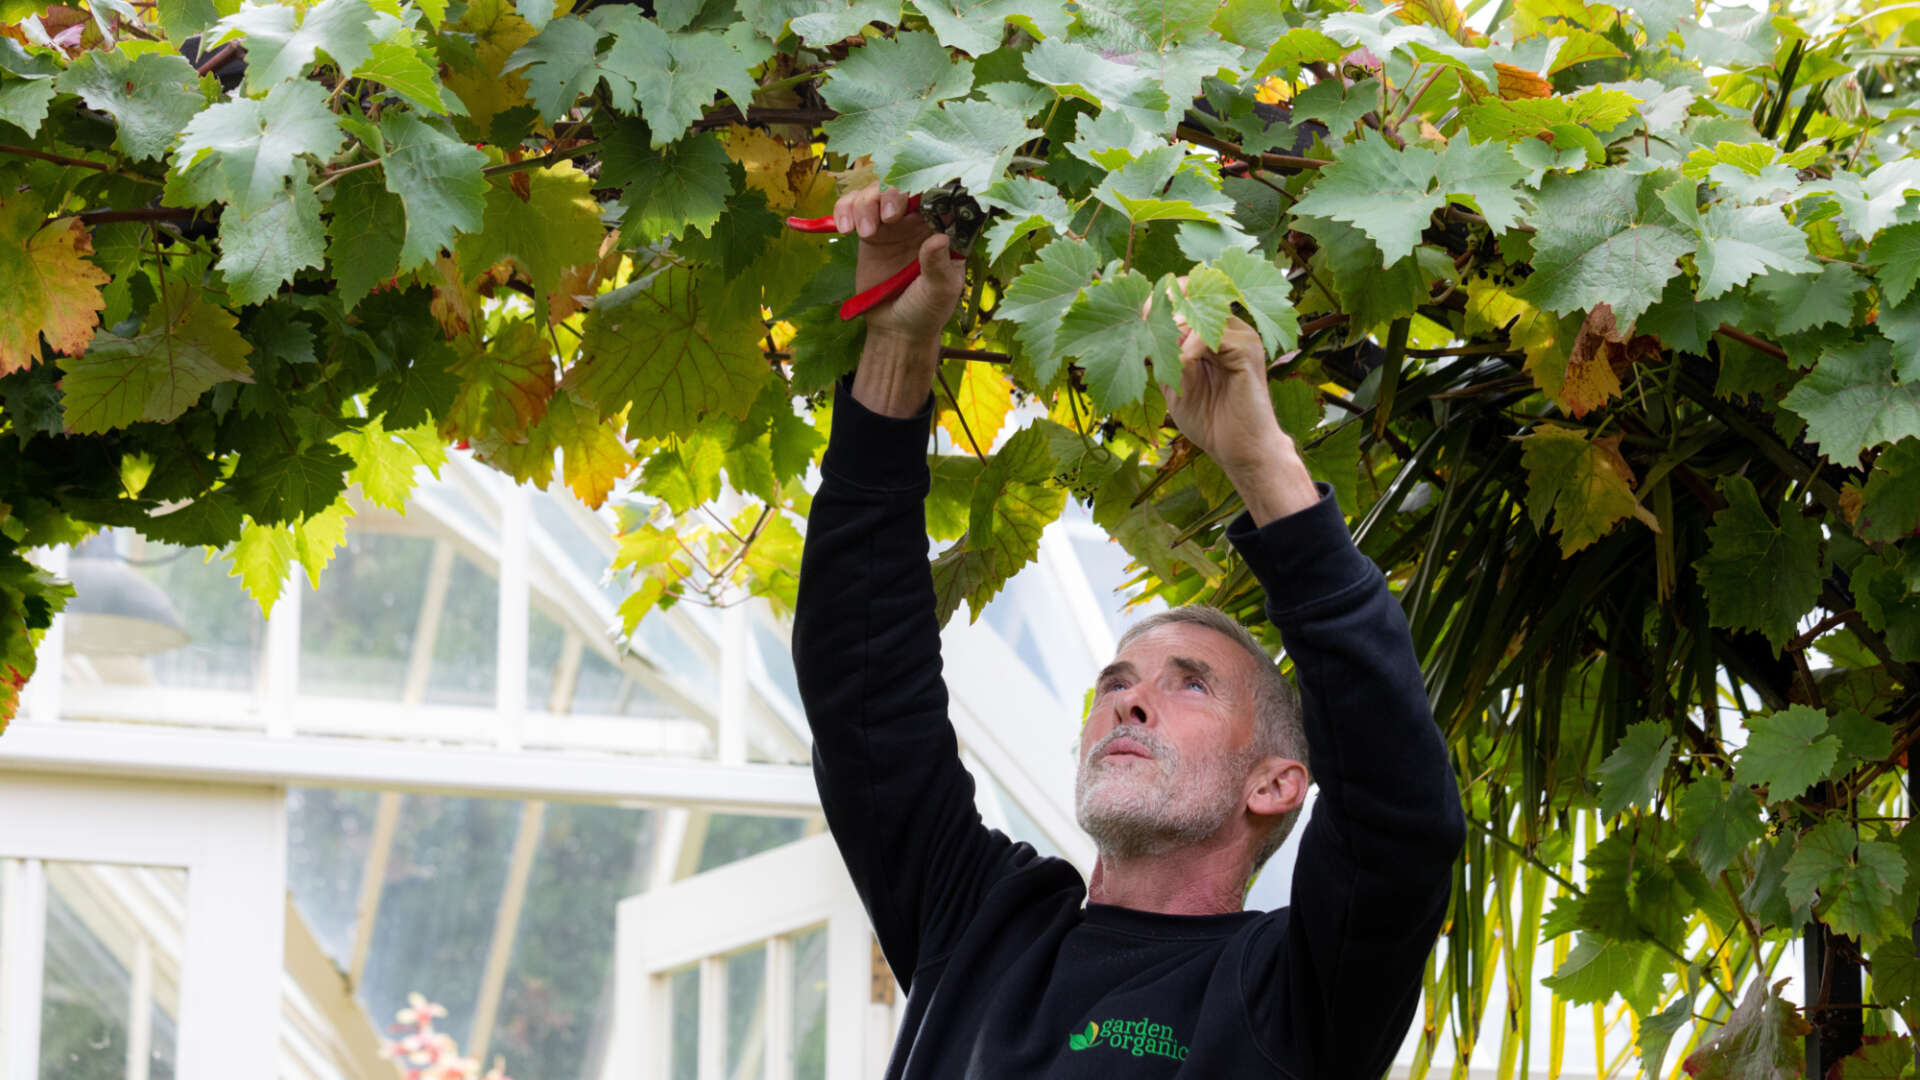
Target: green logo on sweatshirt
1137,1037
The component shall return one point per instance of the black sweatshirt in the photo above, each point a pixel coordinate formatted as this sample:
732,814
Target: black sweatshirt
1008,971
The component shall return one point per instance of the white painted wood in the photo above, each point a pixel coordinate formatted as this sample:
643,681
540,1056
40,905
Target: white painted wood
713,1019
731,715
777,1009
510,667
232,843
23,932
134,750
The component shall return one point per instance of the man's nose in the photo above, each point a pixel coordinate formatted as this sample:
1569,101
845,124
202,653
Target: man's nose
1131,709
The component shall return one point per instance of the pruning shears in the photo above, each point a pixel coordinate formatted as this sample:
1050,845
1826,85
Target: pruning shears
947,208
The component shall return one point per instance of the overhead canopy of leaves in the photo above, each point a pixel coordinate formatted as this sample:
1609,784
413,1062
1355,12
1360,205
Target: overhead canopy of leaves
1515,283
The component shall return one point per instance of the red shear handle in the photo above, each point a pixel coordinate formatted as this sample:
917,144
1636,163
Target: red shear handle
825,224
859,304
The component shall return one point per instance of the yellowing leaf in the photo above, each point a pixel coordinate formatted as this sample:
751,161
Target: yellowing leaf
1444,14
671,348
548,225
157,374
593,456
1516,82
497,31
1579,483
1590,380
504,386
783,173
1534,332
49,289
982,398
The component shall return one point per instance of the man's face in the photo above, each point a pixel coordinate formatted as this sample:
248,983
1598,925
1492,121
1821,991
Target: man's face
1167,749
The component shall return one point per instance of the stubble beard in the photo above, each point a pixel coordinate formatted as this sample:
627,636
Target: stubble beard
1134,807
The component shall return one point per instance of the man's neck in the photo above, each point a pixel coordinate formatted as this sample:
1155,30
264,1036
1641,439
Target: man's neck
1208,878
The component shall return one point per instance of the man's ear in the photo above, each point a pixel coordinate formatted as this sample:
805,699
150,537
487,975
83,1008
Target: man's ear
1278,785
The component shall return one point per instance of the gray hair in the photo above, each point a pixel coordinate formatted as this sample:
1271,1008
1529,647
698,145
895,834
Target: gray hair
1277,729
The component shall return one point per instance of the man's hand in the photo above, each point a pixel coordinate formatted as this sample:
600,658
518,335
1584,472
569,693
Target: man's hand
1224,409
903,335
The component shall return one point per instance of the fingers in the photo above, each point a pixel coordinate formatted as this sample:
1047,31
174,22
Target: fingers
947,274
864,211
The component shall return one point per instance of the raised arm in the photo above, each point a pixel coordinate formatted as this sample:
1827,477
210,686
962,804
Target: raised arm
1371,885
866,643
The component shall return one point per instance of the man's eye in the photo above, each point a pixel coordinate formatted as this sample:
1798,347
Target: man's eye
1196,681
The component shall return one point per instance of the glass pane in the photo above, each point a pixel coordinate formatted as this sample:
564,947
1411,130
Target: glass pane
556,1009
746,1014
776,658
545,639
328,834
466,652
732,837
356,633
583,551
810,1004
143,596
683,1061
603,690
437,906
114,941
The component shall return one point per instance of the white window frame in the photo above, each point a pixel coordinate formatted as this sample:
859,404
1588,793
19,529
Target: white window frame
230,840
758,900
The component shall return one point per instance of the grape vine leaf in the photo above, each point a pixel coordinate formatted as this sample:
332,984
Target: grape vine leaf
1857,880
671,191
1786,752
555,225
1383,191
982,398
410,68
1895,257
1203,299
1043,292
157,374
976,27
1078,71
277,50
262,247
1863,740
52,290
1605,238
504,385
1267,295
245,151
1871,202
1106,330
1011,505
260,559
972,141
1029,204
1890,503
881,88
670,349
1579,484
1796,303
384,461
1630,776
438,180
671,78
1760,1041
1599,970
1854,399
1719,822
366,229
560,64
1759,576
1737,242
1657,1032
150,96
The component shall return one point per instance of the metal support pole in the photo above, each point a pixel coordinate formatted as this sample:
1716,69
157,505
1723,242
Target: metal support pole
1836,1027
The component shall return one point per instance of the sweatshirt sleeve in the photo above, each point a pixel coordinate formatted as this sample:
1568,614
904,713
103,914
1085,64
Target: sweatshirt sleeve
866,649
1335,992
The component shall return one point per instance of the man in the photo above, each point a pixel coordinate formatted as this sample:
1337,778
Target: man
1191,764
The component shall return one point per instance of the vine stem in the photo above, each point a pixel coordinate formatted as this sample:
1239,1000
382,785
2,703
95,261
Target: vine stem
966,428
145,213
544,159
1267,161
220,56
